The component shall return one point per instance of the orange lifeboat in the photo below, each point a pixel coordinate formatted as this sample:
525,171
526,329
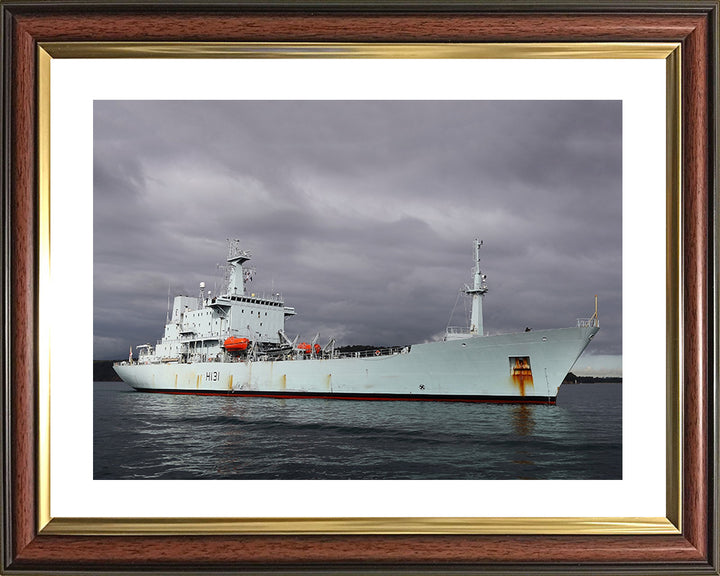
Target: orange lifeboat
234,344
304,347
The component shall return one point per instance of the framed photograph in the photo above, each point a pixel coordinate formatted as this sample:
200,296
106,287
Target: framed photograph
357,148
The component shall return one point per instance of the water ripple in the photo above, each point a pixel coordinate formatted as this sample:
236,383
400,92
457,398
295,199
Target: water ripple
184,437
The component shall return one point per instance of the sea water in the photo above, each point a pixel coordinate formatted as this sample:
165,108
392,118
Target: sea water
163,436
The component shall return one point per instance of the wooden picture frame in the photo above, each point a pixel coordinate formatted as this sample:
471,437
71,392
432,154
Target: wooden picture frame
30,547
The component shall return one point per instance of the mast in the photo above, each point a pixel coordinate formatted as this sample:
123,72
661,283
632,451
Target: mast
477,292
235,272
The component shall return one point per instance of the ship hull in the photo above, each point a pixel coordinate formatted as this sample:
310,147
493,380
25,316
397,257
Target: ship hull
526,367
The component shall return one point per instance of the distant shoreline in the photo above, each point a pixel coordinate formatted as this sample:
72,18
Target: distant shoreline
573,379
103,371
594,380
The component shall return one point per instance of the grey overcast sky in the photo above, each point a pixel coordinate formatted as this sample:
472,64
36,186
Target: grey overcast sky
362,214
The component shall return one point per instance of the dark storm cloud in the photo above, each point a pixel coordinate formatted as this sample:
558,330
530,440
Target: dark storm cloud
361,213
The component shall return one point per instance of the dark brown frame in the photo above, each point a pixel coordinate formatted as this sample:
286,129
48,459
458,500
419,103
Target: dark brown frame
692,23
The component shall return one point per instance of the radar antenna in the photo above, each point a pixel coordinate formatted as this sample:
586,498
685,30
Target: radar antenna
235,252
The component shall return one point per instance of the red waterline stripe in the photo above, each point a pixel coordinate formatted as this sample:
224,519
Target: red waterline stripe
374,398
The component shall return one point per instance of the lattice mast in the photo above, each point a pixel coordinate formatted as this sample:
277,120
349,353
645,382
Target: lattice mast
235,273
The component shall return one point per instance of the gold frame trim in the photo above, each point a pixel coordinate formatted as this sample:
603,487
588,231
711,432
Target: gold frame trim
670,52
530,50
44,362
356,526
674,310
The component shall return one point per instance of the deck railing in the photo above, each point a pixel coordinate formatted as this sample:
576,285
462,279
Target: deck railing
458,330
389,351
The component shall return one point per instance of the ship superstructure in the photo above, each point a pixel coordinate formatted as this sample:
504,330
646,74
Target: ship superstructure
235,344
212,328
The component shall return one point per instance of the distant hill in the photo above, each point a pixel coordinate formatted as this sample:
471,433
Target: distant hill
103,371
356,348
573,379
